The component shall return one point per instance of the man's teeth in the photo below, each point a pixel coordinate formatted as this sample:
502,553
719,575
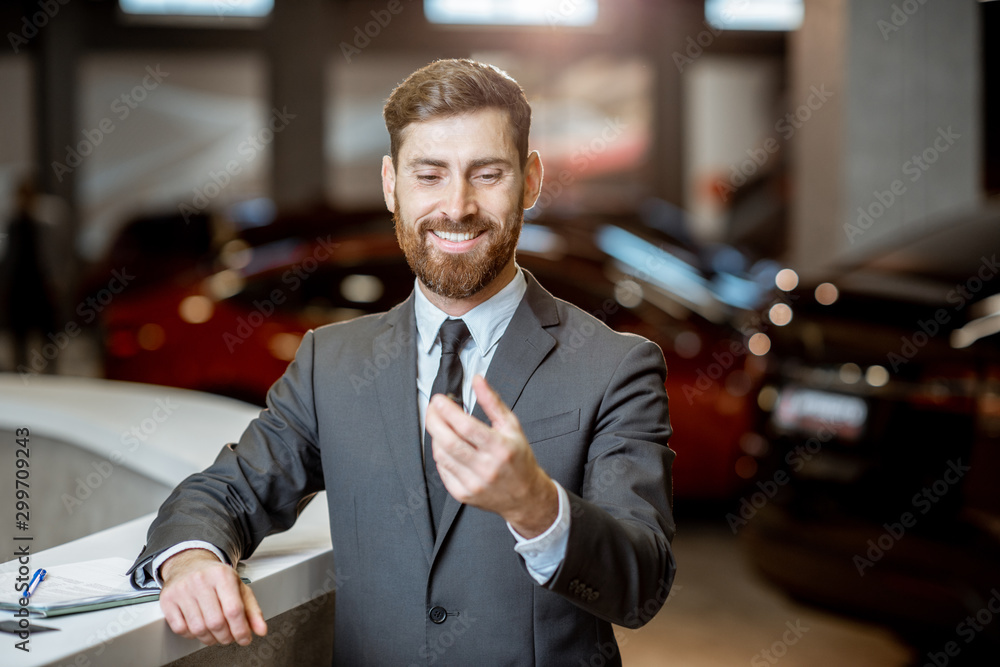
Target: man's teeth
454,236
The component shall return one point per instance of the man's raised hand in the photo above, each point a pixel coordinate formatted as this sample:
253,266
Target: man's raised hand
491,467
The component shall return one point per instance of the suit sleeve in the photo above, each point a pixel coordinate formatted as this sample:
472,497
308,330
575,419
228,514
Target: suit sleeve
257,486
619,565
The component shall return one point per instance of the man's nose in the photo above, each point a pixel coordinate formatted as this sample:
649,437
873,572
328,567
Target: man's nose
460,200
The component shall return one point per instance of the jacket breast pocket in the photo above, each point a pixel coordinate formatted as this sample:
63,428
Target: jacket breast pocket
551,427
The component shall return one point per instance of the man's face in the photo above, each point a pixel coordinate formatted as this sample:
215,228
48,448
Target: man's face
458,193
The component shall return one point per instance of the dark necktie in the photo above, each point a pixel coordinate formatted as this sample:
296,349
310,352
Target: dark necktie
448,381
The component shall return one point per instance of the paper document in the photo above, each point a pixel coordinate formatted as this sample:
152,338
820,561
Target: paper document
77,587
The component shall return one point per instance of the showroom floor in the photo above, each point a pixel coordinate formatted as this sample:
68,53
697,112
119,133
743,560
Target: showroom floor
719,613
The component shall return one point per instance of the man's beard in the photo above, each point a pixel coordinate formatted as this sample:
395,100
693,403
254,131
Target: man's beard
458,275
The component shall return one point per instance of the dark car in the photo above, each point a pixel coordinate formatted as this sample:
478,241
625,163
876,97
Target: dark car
233,329
879,455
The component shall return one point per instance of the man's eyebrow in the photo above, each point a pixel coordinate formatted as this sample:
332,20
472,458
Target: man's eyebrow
416,163
426,162
490,161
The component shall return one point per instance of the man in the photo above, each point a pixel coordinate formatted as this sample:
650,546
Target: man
25,287
556,518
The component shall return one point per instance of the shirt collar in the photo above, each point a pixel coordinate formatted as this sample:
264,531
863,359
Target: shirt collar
486,322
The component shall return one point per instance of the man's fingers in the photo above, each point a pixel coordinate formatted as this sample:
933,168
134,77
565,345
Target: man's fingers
194,623
175,618
216,625
445,418
490,401
253,612
460,448
234,613
183,614
206,600
458,478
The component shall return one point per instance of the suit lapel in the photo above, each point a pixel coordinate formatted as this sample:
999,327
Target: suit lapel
396,386
521,349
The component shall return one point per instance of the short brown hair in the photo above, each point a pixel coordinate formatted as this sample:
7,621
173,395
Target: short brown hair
452,87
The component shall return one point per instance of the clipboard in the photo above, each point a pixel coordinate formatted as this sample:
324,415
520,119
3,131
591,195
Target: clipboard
75,588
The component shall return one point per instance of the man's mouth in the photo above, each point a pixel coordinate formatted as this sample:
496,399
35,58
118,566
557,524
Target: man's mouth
455,237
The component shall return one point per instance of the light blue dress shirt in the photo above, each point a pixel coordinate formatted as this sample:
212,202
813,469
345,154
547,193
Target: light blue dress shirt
487,323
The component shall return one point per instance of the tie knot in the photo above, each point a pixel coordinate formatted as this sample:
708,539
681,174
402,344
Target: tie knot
453,335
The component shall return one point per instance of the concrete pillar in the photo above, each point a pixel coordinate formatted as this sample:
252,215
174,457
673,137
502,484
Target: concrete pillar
667,28
57,126
896,145
297,48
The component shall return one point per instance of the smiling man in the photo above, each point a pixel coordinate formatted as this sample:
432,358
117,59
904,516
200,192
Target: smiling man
546,477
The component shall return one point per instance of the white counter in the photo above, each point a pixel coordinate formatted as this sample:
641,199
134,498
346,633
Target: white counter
287,570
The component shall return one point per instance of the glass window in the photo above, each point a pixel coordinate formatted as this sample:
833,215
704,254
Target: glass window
197,8
754,14
168,134
512,12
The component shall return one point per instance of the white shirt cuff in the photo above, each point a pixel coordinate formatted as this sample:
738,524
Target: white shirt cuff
176,549
545,553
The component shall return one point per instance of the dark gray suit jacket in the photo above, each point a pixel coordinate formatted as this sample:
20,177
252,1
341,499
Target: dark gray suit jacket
343,418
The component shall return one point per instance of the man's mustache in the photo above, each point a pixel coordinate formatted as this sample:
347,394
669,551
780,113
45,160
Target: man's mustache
447,224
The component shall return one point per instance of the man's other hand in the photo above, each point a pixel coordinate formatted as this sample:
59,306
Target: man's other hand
491,467
204,599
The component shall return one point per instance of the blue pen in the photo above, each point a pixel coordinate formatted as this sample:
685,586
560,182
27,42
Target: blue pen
36,579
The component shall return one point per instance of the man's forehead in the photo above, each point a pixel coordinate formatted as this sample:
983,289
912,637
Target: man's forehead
486,130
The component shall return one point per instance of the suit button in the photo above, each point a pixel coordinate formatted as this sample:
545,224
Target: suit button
438,614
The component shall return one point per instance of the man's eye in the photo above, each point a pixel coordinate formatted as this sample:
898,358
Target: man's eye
427,178
490,177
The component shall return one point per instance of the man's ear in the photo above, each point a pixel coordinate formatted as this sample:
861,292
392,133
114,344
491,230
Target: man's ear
533,173
389,183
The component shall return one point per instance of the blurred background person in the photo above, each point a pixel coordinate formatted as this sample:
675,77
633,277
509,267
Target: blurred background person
26,292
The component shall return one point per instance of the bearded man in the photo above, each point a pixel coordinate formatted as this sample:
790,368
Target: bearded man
546,475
